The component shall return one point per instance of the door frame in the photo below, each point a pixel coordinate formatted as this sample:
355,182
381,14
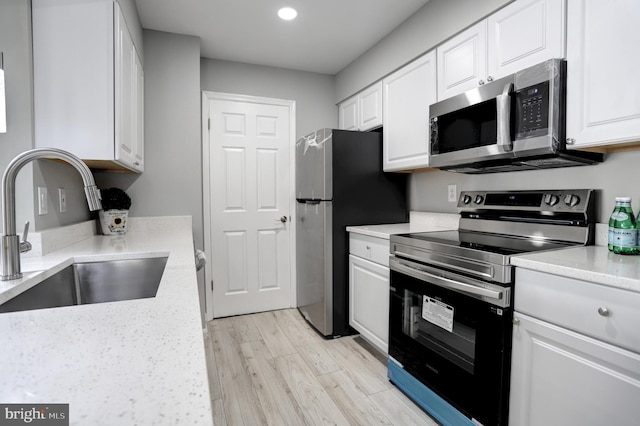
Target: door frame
209,279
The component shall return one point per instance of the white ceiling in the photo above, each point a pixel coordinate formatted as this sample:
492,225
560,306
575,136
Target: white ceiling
326,36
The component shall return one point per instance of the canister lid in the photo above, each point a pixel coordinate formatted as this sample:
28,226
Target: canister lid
623,199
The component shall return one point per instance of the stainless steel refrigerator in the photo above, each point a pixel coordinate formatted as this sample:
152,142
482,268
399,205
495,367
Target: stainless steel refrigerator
339,183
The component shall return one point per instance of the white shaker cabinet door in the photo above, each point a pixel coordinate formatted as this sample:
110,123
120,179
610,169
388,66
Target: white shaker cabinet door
462,61
369,301
407,95
126,94
559,377
348,114
603,65
525,33
370,107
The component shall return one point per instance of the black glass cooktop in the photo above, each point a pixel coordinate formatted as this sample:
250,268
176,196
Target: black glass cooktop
493,243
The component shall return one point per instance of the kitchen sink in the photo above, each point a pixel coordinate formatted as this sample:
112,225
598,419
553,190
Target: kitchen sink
93,282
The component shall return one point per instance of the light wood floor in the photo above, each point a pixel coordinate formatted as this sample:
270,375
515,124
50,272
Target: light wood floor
271,368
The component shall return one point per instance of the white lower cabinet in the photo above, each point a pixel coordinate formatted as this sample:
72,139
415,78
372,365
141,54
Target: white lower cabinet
369,289
572,363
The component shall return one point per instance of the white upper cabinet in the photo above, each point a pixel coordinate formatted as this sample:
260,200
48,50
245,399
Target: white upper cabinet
524,33
348,114
362,111
88,83
407,94
129,98
462,61
603,65
370,107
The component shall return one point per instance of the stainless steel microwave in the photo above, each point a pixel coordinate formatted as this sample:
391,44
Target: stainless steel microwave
514,123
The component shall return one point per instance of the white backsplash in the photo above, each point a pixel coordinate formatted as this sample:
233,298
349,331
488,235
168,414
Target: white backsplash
444,220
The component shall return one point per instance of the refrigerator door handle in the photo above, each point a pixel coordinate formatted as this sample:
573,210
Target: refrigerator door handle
312,202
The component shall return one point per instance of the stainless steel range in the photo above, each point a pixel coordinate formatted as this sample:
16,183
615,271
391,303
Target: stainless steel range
451,297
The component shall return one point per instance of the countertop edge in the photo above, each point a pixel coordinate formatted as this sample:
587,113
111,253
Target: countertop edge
594,264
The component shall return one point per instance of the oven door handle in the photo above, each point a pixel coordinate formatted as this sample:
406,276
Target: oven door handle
450,266
420,273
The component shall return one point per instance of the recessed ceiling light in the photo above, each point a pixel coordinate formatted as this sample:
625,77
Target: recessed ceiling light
287,13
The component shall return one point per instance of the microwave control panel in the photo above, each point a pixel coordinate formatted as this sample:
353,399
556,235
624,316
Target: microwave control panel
532,111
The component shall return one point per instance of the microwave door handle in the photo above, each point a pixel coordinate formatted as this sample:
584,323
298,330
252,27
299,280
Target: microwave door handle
503,105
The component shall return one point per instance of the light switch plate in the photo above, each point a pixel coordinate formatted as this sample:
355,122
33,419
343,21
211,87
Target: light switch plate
62,198
43,201
452,193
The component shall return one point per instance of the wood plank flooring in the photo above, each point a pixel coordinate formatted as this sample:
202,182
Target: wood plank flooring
271,368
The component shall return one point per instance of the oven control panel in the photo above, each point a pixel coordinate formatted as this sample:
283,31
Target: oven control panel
563,200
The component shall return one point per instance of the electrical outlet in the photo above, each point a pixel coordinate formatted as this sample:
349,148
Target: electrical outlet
62,198
452,193
43,201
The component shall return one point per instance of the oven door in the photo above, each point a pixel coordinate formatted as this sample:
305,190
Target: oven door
451,340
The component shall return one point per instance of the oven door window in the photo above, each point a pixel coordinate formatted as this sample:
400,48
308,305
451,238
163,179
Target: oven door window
435,325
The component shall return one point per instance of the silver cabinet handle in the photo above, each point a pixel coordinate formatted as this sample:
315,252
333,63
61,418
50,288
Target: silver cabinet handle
283,219
604,311
489,78
481,82
571,141
516,321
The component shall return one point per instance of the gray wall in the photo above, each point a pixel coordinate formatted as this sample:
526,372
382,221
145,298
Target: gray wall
616,176
314,93
435,22
15,43
172,180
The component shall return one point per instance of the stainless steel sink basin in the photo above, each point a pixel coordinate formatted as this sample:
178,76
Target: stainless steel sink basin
93,282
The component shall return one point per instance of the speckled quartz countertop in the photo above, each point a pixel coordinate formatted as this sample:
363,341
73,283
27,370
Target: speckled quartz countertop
591,263
418,222
131,362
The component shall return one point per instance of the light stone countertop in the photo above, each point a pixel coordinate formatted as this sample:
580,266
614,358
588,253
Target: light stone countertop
130,362
591,263
418,222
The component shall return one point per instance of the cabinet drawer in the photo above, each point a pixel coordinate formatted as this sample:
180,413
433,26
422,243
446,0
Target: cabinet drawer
370,248
605,313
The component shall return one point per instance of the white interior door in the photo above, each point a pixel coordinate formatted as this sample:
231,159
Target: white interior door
250,186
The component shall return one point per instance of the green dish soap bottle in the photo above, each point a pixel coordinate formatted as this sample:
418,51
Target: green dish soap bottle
638,234
623,235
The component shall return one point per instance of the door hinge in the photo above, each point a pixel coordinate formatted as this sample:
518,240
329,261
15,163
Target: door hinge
208,124
211,285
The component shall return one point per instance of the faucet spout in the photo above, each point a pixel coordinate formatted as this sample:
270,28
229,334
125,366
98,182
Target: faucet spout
10,247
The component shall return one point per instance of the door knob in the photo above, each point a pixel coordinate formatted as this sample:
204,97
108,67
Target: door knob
283,219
